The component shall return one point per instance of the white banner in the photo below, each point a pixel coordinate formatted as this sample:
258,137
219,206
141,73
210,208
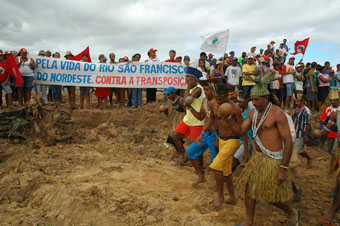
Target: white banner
55,71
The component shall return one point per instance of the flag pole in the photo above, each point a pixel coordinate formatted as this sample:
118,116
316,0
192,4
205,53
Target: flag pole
225,50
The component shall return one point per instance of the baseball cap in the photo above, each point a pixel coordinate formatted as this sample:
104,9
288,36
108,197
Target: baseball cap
7,53
23,50
126,58
169,90
210,54
272,41
152,50
235,59
261,49
299,65
250,57
186,58
291,57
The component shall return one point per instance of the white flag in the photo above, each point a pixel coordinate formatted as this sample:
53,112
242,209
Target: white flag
216,43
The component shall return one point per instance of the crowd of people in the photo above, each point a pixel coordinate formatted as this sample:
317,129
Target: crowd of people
291,78
238,107
258,91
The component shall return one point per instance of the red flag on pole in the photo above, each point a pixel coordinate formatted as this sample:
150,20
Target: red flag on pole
11,68
301,46
80,55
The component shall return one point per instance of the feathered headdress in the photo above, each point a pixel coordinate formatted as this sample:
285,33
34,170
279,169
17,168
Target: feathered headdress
259,89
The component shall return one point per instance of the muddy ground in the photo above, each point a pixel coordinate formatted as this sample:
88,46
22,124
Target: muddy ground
110,167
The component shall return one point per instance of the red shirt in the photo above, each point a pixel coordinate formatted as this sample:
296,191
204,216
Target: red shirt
3,76
327,112
171,61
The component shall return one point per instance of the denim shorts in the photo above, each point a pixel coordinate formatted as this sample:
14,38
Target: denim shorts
7,89
28,81
289,89
84,90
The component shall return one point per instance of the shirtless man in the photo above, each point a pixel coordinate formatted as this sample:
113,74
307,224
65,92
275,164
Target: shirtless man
207,139
266,177
333,125
190,125
228,143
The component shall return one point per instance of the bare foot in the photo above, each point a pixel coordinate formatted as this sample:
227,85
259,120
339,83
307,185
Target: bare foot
218,202
231,201
198,181
309,163
213,188
294,218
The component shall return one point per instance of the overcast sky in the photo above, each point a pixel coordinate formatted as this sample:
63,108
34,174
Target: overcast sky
129,26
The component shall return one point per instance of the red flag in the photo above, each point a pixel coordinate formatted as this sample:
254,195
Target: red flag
11,68
80,55
301,46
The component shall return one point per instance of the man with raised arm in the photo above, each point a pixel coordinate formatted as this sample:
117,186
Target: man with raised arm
266,177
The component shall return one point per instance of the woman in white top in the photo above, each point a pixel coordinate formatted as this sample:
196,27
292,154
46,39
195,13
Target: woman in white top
203,69
26,67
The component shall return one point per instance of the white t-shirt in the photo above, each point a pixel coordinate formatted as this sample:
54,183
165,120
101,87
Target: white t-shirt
153,60
204,74
288,77
25,68
233,75
275,84
283,52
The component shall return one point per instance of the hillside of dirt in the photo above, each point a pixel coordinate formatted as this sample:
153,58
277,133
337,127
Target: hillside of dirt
111,167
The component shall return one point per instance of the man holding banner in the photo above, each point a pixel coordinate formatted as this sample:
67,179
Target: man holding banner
85,91
151,92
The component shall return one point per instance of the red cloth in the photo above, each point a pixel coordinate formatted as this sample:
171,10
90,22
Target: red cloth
280,80
186,130
11,68
171,61
328,111
79,56
301,46
102,92
3,75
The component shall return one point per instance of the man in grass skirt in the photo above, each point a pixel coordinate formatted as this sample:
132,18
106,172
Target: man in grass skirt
266,177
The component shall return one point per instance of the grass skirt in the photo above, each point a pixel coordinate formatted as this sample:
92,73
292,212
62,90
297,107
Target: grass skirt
259,177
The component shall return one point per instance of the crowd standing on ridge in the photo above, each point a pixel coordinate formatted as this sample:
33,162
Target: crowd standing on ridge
238,107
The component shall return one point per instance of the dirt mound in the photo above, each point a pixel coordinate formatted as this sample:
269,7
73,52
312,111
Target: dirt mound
92,167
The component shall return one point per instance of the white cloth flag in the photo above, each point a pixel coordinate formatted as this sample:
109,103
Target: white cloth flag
216,43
